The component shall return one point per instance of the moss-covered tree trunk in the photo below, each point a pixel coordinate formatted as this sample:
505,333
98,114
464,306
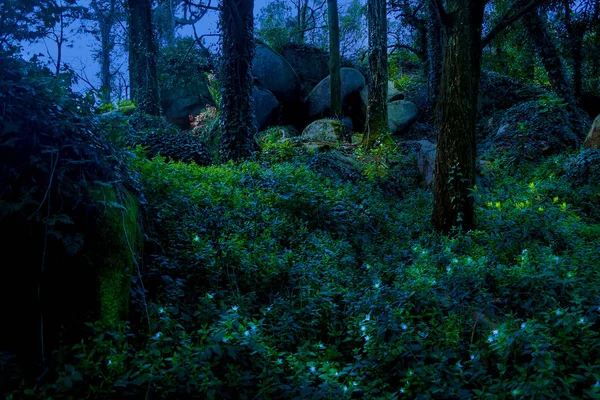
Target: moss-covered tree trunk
538,31
434,50
335,82
456,149
143,75
237,113
377,113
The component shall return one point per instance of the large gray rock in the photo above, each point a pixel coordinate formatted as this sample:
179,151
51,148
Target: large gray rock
592,141
426,161
178,103
275,74
401,115
393,93
323,131
265,105
319,99
310,63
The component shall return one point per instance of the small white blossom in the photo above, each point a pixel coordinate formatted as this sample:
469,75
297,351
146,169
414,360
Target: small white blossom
558,312
312,369
196,238
363,328
161,310
404,326
345,388
158,334
354,383
109,362
279,361
472,356
490,339
234,308
210,296
582,320
247,333
402,390
321,346
376,285
495,332
523,325
367,338
368,317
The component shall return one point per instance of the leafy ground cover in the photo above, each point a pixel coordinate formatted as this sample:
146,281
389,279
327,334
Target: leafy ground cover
286,277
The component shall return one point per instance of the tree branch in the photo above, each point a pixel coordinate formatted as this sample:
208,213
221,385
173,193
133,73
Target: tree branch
508,20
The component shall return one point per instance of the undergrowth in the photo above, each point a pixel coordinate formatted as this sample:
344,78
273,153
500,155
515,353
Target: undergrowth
270,279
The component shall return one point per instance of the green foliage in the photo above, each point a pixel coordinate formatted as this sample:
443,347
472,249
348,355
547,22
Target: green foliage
319,275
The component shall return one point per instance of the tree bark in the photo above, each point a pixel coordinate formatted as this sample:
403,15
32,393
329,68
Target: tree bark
548,52
335,81
106,47
142,58
434,50
237,113
456,148
377,113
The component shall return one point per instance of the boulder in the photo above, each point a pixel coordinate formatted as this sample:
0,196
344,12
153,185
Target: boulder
323,131
310,63
592,141
401,115
531,130
275,74
393,93
178,103
425,153
318,102
265,105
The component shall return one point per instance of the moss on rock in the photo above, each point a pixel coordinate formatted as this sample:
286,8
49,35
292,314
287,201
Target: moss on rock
118,240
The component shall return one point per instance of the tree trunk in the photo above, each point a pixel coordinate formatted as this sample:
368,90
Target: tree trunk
456,148
237,113
142,58
106,43
434,50
577,54
377,113
546,48
335,82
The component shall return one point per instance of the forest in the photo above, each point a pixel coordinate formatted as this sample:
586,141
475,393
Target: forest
299,199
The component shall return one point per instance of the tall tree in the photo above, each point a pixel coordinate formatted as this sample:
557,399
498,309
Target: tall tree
143,57
105,13
462,22
459,89
434,51
377,113
537,27
237,113
335,82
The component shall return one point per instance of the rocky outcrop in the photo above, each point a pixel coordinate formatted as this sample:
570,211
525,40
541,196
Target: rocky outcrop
265,106
318,102
401,115
178,103
592,141
310,63
323,131
275,74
